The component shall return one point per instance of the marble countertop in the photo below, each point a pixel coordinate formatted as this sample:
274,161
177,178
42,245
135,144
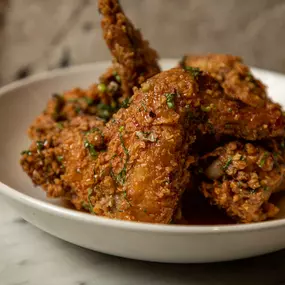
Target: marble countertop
29,256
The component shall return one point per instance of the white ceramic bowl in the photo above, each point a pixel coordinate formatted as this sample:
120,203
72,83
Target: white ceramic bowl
22,101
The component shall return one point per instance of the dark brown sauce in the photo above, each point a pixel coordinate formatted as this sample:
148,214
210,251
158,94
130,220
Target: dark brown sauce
196,210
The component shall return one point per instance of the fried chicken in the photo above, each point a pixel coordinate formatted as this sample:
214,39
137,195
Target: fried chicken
233,75
240,179
132,66
143,171
134,60
45,161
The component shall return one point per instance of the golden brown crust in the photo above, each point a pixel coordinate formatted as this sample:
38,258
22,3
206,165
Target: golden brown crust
134,60
234,76
241,179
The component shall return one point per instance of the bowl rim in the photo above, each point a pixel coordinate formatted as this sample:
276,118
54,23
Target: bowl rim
107,222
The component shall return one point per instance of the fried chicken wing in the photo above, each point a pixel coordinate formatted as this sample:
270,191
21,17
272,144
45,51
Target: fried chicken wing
234,76
144,170
45,161
240,179
134,60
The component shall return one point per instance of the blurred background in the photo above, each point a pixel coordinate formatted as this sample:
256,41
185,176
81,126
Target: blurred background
37,35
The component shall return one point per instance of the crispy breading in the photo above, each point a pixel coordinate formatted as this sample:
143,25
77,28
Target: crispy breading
240,179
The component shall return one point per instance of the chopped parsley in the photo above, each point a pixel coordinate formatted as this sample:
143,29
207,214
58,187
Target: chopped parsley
27,152
170,100
126,103
126,197
90,191
263,159
117,76
40,145
89,100
105,111
228,163
94,130
102,87
206,108
77,109
250,77
195,71
145,87
90,148
60,125
59,158
242,158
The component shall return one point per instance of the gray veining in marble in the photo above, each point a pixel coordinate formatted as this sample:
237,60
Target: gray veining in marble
37,35
28,256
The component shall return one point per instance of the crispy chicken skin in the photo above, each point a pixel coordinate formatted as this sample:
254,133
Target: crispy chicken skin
143,171
234,76
134,60
240,179
99,100
45,161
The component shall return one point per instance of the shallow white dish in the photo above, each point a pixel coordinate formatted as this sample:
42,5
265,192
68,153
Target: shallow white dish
22,101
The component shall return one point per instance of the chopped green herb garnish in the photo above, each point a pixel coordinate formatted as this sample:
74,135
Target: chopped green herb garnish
90,148
89,100
263,159
59,158
228,126
121,129
266,188
227,164
90,191
102,87
126,197
145,87
170,100
145,210
59,125
143,107
77,109
230,110
85,206
27,152
282,144
117,76
40,145
250,77
105,111
94,130
242,158
126,103
206,108
195,71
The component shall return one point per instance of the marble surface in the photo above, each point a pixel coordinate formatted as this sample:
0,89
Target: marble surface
29,256
37,35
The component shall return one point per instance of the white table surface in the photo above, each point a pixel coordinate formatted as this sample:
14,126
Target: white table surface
29,256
